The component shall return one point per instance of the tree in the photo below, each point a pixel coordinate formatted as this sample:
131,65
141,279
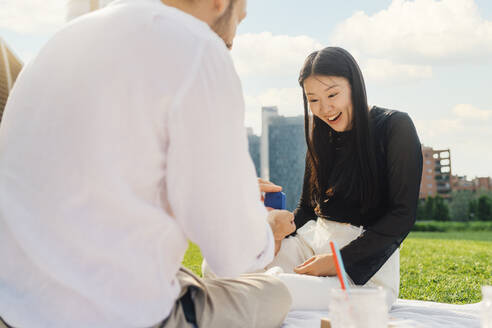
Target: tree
472,209
421,210
441,209
459,205
484,208
429,208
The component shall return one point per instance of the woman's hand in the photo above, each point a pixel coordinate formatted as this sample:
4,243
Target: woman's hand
282,223
318,265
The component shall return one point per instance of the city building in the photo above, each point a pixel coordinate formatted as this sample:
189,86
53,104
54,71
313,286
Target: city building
254,149
461,183
282,150
483,184
10,67
266,114
436,173
437,177
288,156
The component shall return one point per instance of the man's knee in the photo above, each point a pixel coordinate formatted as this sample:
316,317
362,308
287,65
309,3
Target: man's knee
281,293
274,302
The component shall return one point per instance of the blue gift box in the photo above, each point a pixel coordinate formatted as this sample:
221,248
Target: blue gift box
275,200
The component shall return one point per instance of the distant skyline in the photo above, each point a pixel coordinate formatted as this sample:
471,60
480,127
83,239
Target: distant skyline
430,58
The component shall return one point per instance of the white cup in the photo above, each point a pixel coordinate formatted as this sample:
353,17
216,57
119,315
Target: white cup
487,307
358,308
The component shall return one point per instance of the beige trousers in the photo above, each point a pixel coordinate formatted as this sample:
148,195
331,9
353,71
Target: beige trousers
253,300
2,325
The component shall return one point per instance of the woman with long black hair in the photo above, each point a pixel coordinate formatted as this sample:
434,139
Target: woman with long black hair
361,185
362,178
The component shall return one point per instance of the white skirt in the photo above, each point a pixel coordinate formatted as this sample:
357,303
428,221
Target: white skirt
309,292
314,238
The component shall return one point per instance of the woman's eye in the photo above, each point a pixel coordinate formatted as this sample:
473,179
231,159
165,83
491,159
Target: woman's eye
332,95
313,100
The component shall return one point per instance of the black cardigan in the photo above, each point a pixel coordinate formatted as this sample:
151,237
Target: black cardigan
399,157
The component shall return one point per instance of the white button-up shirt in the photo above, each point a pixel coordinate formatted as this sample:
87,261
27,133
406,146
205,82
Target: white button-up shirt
123,139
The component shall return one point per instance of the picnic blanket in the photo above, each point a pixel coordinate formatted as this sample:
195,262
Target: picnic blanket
405,314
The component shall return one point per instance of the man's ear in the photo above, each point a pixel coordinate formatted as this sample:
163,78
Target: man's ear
220,6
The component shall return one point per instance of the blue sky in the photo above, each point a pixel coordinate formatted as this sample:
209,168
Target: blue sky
430,58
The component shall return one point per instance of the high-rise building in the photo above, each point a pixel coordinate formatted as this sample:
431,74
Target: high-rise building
436,172
483,184
461,183
287,153
10,67
266,114
279,154
76,8
254,149
437,177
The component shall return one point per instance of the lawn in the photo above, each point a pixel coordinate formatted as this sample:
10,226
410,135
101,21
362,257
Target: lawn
448,267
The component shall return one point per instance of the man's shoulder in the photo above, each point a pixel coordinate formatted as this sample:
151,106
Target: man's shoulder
163,23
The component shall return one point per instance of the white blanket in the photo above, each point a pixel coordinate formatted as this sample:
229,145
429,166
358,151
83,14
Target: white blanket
406,314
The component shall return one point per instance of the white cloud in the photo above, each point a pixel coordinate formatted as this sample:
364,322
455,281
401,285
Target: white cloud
265,54
253,113
386,70
288,101
469,112
32,16
420,30
466,131
268,57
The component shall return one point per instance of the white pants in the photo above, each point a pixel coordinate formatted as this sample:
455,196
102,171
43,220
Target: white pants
308,292
314,238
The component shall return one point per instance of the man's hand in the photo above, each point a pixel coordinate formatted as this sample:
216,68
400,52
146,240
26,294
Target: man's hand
267,186
282,223
318,265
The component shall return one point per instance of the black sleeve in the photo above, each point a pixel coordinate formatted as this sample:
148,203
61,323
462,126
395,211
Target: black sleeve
364,256
305,211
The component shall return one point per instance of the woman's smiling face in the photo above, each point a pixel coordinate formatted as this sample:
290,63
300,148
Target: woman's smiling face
330,99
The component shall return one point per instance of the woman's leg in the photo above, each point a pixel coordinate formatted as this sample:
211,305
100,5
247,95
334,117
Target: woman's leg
308,292
388,277
318,235
294,251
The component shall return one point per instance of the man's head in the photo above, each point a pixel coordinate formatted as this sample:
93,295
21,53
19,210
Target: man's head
223,16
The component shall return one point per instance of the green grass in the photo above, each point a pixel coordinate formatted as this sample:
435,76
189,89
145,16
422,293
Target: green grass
456,226
193,259
447,267
463,236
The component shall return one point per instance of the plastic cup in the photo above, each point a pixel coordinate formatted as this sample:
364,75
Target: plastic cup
358,308
487,307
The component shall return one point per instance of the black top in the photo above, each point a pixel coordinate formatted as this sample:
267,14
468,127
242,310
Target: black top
399,158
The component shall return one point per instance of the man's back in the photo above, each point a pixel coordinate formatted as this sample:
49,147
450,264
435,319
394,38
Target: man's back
84,151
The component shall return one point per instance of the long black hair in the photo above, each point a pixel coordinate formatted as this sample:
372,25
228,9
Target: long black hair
354,174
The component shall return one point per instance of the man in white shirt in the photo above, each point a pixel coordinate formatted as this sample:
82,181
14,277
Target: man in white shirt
123,139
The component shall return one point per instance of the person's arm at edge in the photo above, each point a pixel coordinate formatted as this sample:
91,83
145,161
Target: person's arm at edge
211,181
